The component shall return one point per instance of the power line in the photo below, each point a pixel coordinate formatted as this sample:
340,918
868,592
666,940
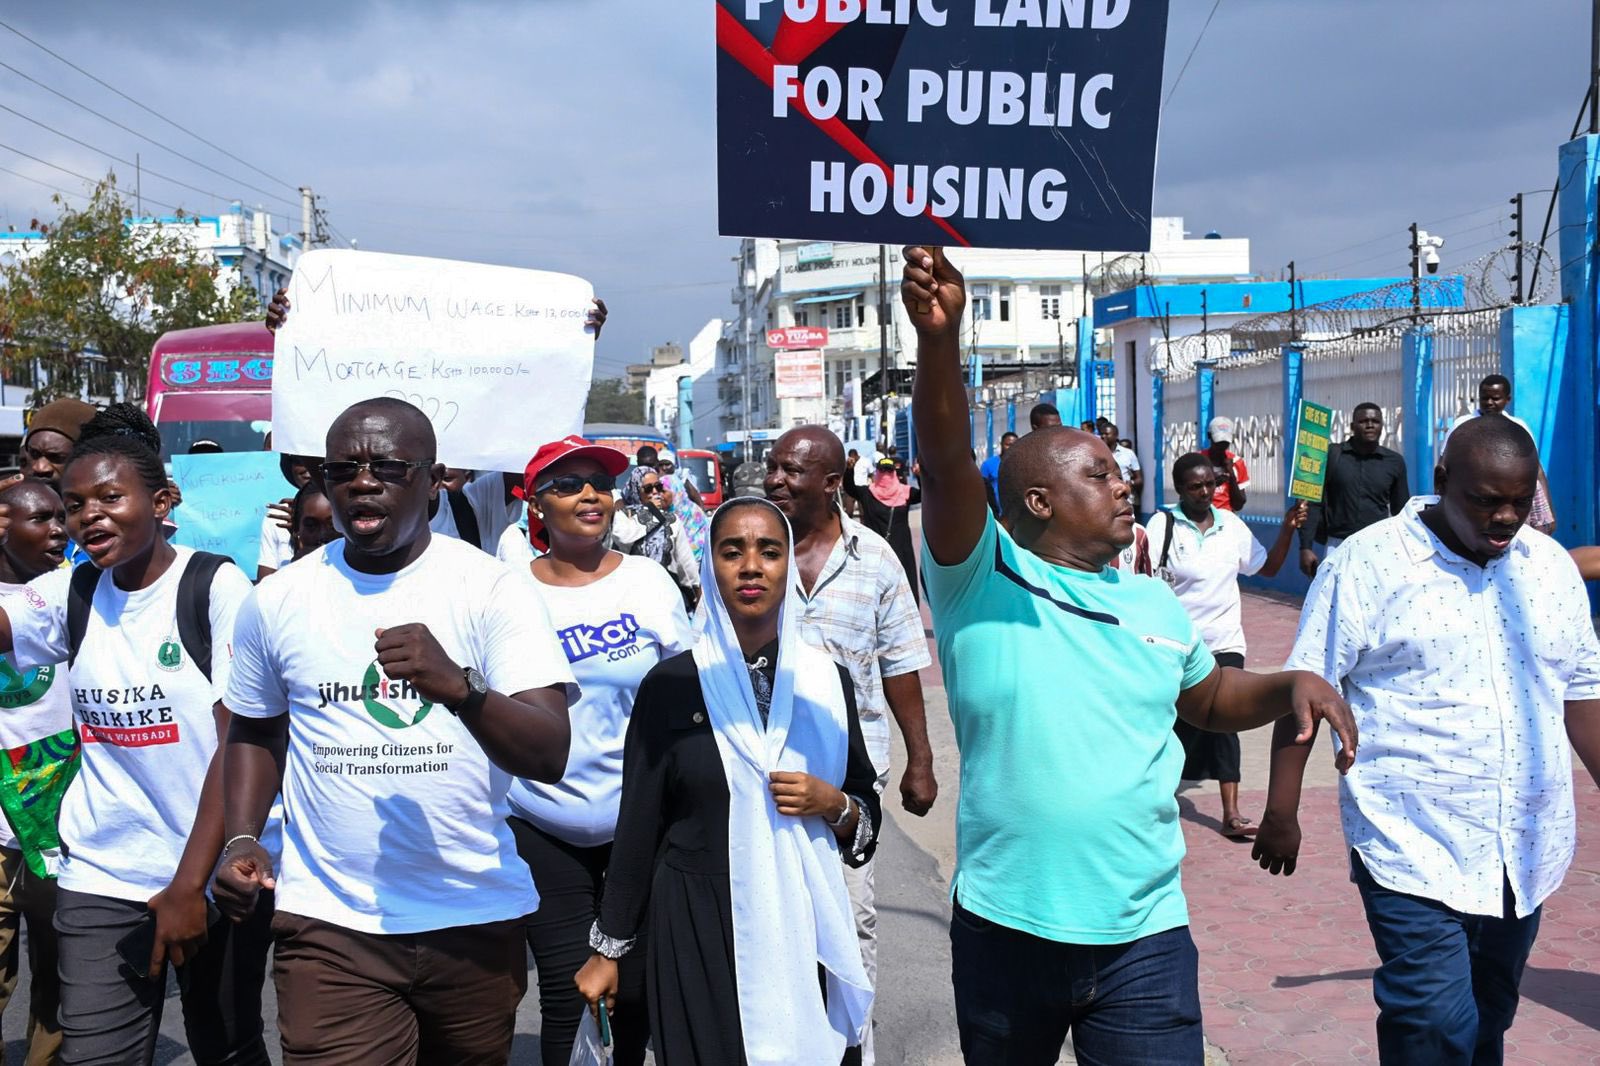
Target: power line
75,174
1192,51
36,181
1391,235
147,137
110,155
144,107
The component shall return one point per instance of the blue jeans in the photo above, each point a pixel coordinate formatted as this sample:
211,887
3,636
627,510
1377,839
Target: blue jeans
1018,996
1447,986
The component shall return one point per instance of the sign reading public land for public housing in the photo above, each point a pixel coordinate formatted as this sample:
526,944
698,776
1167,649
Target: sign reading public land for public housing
497,357
1311,442
990,123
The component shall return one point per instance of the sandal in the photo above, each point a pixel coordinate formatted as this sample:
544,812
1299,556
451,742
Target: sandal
1238,828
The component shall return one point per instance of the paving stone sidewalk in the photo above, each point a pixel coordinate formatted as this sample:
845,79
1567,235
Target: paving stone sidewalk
1286,963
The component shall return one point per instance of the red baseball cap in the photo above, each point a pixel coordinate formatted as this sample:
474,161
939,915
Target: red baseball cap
611,461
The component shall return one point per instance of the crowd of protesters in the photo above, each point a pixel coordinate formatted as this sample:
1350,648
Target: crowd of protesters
460,717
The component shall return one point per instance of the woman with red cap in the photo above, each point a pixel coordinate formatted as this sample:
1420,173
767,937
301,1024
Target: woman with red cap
616,616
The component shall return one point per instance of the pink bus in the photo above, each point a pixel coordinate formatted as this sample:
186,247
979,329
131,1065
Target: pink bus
212,383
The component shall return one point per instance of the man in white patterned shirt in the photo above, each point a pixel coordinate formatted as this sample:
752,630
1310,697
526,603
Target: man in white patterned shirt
857,606
1463,641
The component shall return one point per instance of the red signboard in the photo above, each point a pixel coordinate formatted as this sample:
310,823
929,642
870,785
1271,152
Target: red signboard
798,337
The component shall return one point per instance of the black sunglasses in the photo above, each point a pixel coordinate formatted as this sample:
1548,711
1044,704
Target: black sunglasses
391,470
572,484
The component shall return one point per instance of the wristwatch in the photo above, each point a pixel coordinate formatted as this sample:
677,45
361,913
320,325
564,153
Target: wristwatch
477,692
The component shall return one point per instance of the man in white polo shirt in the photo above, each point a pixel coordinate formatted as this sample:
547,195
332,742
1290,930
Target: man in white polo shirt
1463,641
419,675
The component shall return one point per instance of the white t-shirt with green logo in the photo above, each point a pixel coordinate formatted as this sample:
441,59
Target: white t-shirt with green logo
394,819
612,632
144,714
34,703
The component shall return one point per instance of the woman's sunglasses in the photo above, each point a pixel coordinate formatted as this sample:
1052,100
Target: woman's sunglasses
572,484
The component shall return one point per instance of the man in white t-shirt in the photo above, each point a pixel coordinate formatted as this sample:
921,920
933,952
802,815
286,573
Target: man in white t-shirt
35,705
420,676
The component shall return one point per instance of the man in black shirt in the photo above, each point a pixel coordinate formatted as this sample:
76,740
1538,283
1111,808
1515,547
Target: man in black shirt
1365,483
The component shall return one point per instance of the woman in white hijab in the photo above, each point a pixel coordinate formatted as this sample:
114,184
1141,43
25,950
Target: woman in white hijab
745,781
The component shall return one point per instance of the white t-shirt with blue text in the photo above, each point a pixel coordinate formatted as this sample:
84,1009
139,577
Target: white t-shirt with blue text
612,631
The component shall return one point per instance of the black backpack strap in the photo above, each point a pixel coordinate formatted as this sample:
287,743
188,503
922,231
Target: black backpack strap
466,519
1166,542
194,607
80,599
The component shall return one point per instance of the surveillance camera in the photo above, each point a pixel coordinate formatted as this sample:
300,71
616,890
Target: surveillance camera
1431,261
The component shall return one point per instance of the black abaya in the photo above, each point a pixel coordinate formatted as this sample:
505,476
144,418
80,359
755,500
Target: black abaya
671,855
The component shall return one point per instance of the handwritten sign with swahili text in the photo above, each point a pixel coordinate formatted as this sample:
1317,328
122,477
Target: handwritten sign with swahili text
1311,440
224,499
499,358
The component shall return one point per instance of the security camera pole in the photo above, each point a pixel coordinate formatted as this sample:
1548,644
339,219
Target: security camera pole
1416,276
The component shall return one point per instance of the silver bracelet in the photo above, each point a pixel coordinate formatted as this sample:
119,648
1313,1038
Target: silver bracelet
838,823
234,840
609,946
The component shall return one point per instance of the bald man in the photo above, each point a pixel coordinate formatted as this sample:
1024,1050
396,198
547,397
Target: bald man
1462,638
1062,675
856,604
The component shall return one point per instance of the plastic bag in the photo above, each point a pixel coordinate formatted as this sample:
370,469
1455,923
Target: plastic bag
590,1049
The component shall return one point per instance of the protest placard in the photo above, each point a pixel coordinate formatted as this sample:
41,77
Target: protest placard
1311,442
990,123
497,357
224,499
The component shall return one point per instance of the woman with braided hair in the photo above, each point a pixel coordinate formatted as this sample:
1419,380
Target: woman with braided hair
141,823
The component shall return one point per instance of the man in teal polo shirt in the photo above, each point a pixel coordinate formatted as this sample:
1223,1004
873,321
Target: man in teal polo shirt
1064,676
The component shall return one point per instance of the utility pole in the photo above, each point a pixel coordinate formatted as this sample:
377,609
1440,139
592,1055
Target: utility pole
883,344
138,186
1516,235
1294,307
1594,67
1416,273
308,204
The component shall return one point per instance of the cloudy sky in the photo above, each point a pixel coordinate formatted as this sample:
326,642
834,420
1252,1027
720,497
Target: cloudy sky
578,135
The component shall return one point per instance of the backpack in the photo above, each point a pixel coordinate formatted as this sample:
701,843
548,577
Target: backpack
466,519
194,607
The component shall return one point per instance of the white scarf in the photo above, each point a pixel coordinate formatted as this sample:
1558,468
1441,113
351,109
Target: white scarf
791,910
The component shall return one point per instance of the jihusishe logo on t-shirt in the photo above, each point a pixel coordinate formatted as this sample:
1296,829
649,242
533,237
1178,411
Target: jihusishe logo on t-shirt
384,699
619,638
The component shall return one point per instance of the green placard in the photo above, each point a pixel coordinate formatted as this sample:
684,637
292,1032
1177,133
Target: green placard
1311,439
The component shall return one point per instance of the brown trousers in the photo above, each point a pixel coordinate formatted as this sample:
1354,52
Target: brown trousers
362,999
30,899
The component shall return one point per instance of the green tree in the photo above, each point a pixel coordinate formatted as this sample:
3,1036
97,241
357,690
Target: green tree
610,400
101,285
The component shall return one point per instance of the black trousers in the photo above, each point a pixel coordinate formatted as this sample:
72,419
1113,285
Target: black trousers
569,880
111,1016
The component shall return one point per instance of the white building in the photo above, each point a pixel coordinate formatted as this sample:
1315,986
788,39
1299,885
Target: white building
1021,313
242,242
700,367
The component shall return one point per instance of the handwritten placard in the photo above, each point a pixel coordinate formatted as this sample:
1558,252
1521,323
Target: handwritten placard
224,499
498,358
